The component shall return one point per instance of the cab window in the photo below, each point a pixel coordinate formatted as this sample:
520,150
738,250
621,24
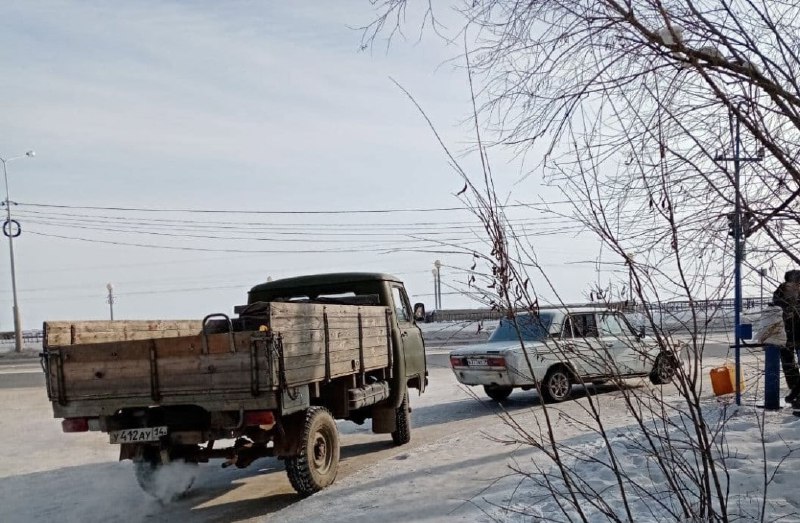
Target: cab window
401,308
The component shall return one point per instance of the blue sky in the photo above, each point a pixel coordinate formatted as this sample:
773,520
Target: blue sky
225,105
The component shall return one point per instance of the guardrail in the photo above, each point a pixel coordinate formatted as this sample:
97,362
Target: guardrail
670,306
30,337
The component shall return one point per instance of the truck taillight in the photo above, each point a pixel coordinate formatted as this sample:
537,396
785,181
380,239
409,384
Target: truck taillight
496,362
259,417
456,362
75,425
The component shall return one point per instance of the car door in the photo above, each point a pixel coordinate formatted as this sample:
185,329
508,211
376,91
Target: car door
410,336
589,353
622,347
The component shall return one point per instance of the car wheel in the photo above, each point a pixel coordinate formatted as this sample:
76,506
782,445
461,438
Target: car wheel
557,385
497,393
663,370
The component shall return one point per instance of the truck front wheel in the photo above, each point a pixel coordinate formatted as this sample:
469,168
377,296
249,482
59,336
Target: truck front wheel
317,462
402,431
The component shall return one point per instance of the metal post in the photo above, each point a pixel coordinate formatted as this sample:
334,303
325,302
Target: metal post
439,284
10,234
738,241
737,267
110,299
435,290
437,277
772,377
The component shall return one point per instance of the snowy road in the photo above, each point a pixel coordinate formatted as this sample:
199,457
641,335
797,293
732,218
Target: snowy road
48,475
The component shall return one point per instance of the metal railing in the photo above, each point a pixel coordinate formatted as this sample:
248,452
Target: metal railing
670,306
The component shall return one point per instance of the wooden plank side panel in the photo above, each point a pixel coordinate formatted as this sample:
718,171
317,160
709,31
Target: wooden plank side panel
372,353
59,333
314,373
318,347
303,323
335,334
293,310
184,346
220,372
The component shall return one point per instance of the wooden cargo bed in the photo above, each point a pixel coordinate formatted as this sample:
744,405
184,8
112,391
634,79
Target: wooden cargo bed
111,365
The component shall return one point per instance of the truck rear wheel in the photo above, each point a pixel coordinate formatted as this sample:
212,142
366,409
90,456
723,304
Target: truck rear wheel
402,432
164,481
317,462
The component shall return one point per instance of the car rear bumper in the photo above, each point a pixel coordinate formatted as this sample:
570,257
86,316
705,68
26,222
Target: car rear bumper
499,377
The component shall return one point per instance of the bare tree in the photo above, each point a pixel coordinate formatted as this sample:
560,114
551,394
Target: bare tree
637,104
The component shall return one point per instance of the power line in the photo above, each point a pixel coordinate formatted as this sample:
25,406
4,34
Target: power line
270,251
238,211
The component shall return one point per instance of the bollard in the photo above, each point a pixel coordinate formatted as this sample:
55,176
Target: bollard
772,377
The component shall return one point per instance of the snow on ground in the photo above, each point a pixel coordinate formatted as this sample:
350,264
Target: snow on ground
466,476
456,469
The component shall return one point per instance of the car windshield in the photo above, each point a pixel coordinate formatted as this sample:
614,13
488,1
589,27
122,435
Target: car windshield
531,328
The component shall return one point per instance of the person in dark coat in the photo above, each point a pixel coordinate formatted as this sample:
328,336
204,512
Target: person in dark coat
787,297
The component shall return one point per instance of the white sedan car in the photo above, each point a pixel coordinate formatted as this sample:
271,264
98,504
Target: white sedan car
557,349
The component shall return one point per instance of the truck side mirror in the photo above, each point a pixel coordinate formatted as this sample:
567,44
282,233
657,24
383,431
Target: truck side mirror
419,312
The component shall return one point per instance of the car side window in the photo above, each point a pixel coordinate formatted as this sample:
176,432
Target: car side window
401,308
584,325
610,326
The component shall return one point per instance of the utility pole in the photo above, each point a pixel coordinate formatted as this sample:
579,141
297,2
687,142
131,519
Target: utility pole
110,299
12,229
438,265
738,240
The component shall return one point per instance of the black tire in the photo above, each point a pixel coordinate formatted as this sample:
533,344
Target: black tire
402,432
663,369
166,486
557,385
497,393
315,466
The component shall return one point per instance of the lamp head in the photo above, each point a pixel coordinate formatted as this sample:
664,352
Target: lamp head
110,287
30,154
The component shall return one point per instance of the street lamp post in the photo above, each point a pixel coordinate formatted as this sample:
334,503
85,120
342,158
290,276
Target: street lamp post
11,233
110,299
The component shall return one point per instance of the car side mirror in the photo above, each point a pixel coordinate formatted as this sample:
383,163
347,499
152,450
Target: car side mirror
419,312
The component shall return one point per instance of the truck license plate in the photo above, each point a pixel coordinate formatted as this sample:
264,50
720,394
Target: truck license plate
477,362
136,435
